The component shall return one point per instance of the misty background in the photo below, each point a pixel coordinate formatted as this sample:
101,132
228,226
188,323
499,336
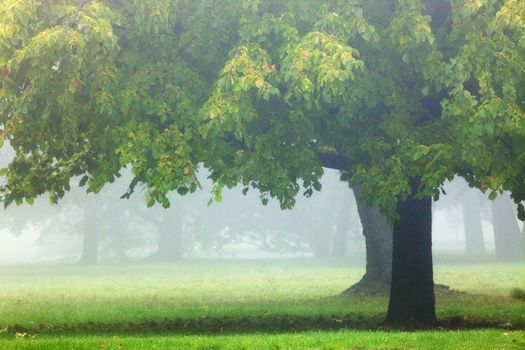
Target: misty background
104,228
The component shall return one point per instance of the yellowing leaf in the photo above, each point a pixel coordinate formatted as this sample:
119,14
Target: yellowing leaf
260,83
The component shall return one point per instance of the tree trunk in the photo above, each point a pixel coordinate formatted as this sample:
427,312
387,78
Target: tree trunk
320,237
90,234
474,243
170,241
90,237
509,241
321,244
412,300
340,238
339,242
378,236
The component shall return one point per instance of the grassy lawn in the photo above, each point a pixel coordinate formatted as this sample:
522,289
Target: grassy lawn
286,304
449,340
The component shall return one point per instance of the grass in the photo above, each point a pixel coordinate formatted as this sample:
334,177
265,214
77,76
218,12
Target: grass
224,304
517,293
449,340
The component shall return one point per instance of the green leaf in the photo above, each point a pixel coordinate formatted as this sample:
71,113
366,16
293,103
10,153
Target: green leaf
521,212
83,181
150,202
183,190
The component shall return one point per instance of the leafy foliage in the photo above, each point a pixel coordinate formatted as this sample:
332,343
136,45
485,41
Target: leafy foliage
258,91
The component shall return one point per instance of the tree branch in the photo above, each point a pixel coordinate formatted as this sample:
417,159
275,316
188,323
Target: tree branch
333,161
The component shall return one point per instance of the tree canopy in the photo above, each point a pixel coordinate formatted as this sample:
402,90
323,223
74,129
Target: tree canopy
263,93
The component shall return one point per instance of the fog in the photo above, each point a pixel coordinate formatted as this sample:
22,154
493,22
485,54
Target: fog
105,228
238,226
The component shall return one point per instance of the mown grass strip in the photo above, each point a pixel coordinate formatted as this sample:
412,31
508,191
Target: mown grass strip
449,340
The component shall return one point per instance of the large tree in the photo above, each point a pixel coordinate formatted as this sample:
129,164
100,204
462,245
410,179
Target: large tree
398,94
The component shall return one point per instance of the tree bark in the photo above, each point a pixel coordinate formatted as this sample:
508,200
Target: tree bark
509,241
474,243
412,300
378,237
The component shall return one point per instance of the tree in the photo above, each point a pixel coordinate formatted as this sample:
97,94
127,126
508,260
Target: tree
242,220
399,95
343,225
474,243
470,202
170,239
90,233
412,300
102,221
378,234
509,240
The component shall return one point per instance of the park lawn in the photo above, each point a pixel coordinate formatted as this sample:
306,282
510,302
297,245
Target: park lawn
347,339
224,304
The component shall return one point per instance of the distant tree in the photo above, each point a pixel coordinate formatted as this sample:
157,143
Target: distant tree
509,240
90,231
170,237
470,202
94,218
341,236
310,227
471,207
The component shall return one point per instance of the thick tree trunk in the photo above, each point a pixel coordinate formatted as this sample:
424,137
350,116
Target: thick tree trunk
509,241
412,300
474,243
378,236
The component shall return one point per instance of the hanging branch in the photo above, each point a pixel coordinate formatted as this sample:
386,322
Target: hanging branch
325,16
324,21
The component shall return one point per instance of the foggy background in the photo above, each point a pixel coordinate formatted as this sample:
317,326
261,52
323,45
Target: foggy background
105,228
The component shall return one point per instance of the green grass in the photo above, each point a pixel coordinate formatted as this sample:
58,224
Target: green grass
446,340
189,304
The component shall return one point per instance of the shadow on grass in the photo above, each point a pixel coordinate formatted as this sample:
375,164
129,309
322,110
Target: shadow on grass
271,324
268,323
